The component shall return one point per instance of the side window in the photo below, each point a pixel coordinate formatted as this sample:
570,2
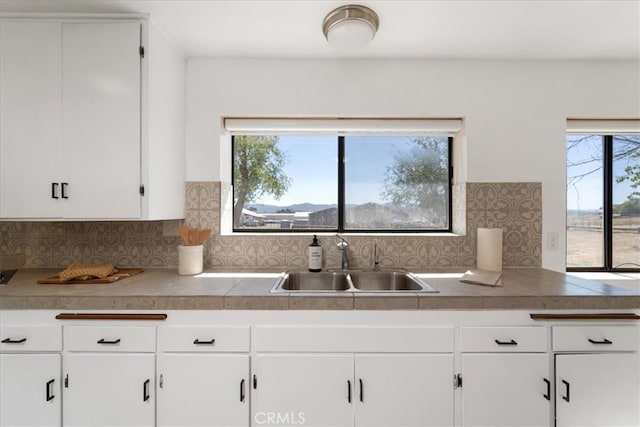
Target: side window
603,201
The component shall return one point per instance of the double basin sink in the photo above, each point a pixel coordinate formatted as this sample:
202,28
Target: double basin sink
350,281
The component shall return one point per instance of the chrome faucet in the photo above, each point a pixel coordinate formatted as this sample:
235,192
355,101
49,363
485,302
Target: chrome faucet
376,260
343,245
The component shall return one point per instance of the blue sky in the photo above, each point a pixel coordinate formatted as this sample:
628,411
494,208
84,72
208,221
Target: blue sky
312,163
587,194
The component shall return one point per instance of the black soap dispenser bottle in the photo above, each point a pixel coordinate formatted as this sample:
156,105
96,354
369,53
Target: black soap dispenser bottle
314,252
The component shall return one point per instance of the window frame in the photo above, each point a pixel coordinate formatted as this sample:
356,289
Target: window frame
607,212
340,140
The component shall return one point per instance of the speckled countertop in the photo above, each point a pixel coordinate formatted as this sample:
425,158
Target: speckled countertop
524,288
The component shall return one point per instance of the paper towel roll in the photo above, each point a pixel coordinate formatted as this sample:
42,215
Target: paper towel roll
489,249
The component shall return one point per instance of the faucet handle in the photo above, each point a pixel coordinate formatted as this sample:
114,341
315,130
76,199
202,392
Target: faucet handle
342,244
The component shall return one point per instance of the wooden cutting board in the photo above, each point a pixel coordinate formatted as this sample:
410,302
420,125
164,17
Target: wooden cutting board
122,273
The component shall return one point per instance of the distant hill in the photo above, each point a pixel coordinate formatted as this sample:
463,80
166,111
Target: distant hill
299,207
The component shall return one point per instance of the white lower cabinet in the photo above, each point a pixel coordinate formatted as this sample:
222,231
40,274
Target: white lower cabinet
347,390
505,376
109,389
506,390
30,390
403,390
597,375
597,390
30,372
255,368
109,375
308,389
203,376
203,390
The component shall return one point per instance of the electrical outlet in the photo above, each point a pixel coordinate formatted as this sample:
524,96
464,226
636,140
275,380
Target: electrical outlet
552,241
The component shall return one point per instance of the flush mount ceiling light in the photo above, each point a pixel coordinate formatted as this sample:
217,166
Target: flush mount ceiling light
350,27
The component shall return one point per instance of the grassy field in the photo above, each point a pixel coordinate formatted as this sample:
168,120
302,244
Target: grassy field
584,240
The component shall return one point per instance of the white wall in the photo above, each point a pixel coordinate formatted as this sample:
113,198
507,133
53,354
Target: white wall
515,111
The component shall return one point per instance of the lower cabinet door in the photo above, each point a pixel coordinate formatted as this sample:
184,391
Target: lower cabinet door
109,389
30,390
506,390
203,390
404,390
598,390
302,389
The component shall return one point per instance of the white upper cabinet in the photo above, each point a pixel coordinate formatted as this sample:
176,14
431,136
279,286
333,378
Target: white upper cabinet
30,119
86,132
101,120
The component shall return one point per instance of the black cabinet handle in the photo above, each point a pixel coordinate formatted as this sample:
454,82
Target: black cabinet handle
210,342
361,390
548,395
512,342
349,391
255,382
567,390
49,389
104,341
12,341
145,390
54,190
604,341
64,190
242,390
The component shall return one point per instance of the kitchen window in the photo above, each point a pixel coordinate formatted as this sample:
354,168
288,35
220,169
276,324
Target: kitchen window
603,197
303,180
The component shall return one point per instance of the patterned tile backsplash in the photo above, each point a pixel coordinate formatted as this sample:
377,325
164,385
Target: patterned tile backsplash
515,207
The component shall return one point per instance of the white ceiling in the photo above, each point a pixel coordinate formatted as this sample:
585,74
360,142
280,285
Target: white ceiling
513,29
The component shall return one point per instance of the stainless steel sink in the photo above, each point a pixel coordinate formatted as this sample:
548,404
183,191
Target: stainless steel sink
375,281
305,281
350,281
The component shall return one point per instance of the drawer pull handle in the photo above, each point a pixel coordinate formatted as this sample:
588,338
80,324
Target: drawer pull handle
512,342
210,342
145,391
242,390
255,382
604,341
349,391
567,389
548,394
12,341
64,190
54,190
361,390
104,341
49,388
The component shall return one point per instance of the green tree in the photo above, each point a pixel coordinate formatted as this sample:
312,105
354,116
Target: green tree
420,177
629,207
633,176
257,170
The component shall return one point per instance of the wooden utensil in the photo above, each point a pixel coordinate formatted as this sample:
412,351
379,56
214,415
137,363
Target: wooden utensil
193,236
184,234
204,234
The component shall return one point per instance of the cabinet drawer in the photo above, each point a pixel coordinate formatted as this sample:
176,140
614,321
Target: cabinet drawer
110,338
595,338
204,339
504,339
30,338
354,339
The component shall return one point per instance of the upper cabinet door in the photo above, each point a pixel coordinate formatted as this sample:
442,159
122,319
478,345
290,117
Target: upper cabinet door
101,119
30,119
